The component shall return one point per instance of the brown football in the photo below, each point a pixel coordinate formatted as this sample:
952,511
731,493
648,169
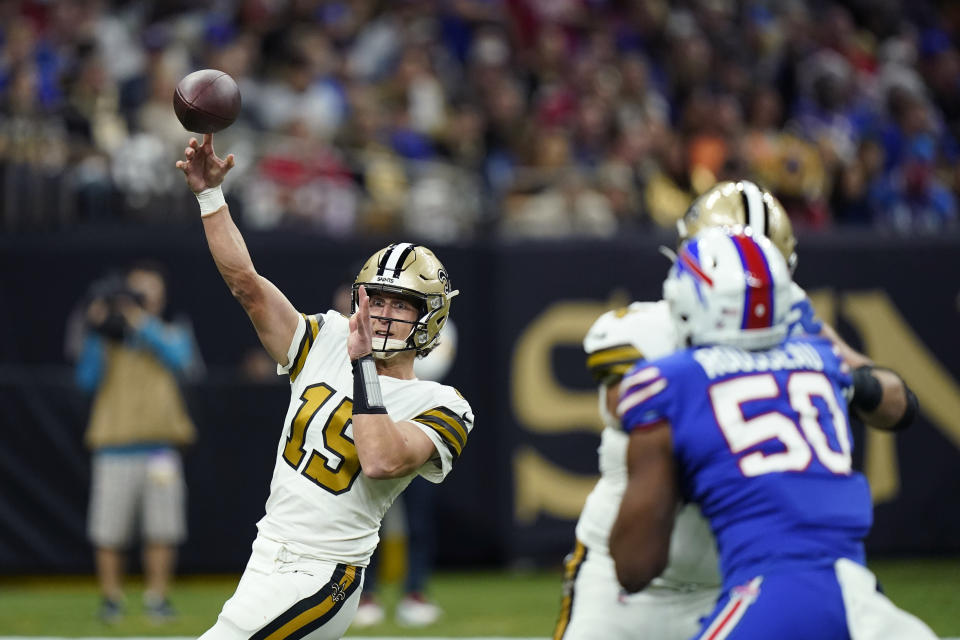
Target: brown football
206,101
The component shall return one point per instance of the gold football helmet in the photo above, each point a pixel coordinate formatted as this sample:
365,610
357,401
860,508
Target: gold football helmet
742,203
413,272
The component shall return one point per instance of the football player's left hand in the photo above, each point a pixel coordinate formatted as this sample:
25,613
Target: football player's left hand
360,340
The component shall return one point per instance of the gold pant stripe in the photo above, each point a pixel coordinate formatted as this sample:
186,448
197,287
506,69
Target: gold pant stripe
571,567
310,613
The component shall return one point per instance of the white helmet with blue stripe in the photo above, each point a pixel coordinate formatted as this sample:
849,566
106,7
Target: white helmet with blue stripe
731,286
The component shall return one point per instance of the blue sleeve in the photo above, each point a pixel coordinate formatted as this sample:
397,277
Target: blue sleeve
833,365
804,319
89,370
170,343
645,395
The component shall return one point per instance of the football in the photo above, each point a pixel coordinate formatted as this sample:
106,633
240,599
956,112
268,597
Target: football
206,101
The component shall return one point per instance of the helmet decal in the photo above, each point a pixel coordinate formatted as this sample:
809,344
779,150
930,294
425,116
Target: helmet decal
690,261
445,279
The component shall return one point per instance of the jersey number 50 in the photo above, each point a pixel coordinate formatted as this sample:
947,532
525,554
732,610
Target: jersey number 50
799,443
335,478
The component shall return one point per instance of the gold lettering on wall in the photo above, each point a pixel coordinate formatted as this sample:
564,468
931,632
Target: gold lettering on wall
543,405
890,341
541,486
824,303
540,402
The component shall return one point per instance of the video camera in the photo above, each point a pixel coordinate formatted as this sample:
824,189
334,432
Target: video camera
114,291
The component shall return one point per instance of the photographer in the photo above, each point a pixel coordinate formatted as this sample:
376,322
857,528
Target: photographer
131,359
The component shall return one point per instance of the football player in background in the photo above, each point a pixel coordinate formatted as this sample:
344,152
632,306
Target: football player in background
671,608
359,427
752,425
593,604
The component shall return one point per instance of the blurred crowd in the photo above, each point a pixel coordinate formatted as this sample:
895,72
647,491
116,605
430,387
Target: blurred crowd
451,119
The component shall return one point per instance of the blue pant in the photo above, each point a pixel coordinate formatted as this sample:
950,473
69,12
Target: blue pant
788,605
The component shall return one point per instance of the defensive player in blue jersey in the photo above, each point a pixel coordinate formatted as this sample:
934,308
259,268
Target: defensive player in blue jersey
671,607
753,427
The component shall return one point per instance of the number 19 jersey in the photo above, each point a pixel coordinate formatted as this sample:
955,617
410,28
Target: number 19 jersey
321,504
763,445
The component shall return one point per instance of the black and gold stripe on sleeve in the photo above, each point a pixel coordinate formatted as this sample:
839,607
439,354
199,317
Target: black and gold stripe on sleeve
449,426
613,362
314,323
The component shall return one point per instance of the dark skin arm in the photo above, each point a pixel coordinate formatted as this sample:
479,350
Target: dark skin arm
640,538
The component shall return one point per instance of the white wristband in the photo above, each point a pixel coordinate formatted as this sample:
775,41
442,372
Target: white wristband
211,200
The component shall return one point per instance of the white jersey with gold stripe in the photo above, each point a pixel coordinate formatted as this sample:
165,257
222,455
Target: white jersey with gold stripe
321,505
615,341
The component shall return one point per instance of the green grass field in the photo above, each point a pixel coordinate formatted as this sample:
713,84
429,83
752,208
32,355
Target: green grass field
476,603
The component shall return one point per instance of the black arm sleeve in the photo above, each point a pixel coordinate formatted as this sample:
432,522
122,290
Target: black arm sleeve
910,414
868,394
867,390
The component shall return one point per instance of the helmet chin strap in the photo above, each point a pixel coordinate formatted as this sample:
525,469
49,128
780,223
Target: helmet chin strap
389,349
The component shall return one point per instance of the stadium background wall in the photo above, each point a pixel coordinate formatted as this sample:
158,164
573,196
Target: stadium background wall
515,493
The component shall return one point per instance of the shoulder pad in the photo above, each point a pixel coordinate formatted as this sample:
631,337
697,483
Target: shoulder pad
618,338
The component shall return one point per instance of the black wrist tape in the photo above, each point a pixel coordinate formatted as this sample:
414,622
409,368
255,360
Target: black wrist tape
867,390
367,397
910,413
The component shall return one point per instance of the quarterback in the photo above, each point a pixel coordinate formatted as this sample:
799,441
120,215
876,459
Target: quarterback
670,608
359,427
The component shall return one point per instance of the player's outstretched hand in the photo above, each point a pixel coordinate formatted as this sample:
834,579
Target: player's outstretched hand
360,340
201,166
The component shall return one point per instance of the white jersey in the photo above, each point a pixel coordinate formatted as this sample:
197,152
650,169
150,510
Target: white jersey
615,341
321,505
